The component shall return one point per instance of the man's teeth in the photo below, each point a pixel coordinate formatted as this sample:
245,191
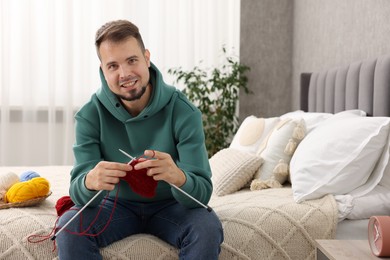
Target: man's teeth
129,84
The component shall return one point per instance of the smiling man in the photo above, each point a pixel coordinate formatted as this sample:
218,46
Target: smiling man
136,111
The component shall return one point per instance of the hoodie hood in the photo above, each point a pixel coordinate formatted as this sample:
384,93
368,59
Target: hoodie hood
161,95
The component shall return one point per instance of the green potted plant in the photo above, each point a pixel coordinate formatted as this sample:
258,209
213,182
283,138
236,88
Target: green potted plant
215,92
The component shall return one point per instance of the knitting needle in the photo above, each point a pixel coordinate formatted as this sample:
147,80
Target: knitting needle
174,186
70,220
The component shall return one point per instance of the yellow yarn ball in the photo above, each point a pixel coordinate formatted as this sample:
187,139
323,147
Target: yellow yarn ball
22,191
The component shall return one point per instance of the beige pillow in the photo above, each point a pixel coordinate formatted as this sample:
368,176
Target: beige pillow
252,132
276,151
232,169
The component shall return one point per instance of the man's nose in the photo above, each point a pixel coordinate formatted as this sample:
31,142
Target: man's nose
124,71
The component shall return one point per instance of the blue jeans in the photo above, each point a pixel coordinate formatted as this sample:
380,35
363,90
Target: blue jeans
196,232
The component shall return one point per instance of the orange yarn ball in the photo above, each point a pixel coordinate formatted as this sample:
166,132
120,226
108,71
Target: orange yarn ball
22,191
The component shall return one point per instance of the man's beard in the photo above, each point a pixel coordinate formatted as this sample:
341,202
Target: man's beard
134,94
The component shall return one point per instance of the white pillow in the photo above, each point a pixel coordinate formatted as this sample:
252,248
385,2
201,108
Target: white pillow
252,132
232,169
345,155
314,119
357,112
374,203
277,151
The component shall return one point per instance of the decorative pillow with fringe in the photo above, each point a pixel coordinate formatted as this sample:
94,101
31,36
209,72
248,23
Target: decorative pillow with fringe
276,151
232,169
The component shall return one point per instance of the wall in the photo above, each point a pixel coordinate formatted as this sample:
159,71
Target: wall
266,46
324,34
333,33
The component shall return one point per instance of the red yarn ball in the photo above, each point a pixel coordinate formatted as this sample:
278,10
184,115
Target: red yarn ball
63,204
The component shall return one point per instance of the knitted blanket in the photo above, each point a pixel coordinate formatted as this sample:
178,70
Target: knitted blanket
264,224
268,224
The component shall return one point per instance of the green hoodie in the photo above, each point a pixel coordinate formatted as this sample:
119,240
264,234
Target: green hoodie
169,123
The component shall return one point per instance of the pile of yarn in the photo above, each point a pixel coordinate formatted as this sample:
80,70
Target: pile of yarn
26,187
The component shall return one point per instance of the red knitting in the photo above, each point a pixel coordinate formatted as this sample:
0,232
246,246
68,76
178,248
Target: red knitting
140,182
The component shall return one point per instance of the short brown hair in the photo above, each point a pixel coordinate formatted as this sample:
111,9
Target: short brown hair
117,31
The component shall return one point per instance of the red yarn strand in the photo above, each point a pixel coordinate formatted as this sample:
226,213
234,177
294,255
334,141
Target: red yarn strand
42,238
84,233
138,181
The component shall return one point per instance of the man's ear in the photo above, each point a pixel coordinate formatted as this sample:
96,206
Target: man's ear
147,57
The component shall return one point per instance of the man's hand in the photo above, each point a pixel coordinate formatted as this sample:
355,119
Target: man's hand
106,175
162,167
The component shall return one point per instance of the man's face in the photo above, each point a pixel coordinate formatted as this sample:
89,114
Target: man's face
125,68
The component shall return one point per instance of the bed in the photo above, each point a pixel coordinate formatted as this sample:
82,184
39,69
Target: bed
265,211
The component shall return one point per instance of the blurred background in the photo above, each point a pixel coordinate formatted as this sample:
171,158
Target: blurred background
49,67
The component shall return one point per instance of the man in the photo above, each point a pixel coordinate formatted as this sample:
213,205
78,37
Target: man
137,112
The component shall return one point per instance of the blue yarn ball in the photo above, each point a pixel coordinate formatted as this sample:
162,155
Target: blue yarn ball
28,175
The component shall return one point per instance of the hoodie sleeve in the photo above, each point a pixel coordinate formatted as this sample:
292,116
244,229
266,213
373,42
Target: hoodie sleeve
87,154
192,154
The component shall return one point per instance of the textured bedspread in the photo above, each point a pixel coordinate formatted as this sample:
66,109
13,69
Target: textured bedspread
265,224
268,224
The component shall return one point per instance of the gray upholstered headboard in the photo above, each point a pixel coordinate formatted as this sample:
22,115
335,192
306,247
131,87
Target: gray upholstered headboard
361,85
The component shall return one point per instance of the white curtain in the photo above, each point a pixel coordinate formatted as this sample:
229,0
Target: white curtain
49,68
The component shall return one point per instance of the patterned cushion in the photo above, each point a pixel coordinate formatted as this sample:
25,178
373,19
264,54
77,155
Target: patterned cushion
232,169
